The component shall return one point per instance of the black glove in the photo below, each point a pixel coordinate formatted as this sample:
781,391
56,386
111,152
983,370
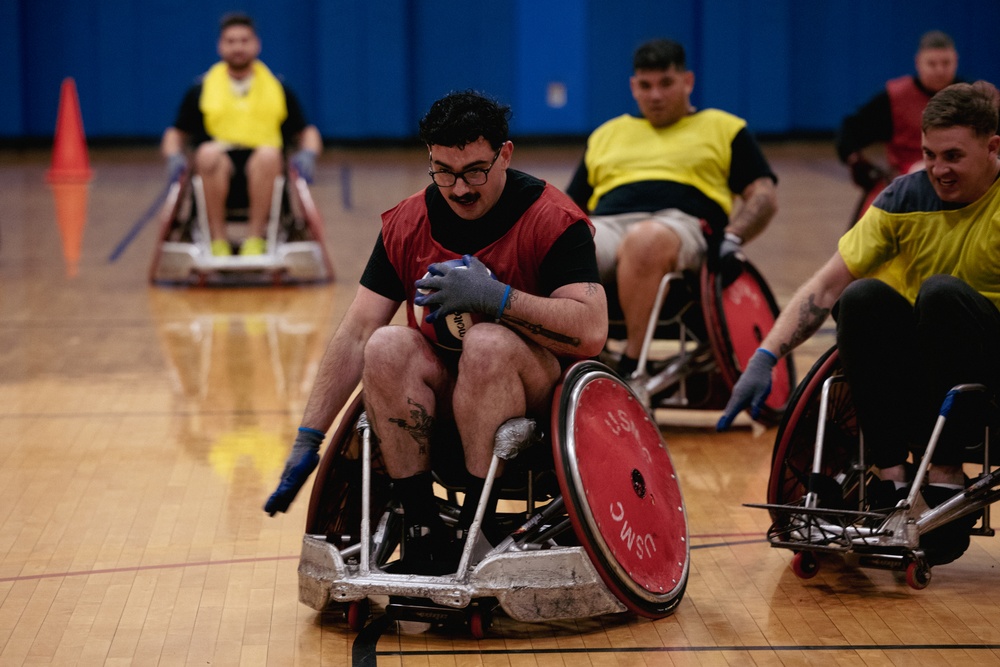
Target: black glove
466,288
731,258
866,175
300,464
751,389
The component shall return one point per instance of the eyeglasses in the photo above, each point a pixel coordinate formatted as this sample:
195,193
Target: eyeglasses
445,179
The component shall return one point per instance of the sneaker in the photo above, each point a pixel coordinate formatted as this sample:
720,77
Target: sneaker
882,494
252,246
221,248
946,543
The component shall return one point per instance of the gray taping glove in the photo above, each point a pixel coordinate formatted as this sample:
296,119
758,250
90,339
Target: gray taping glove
751,389
468,287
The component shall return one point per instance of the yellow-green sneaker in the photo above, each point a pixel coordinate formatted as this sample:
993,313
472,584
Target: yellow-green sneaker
253,245
221,248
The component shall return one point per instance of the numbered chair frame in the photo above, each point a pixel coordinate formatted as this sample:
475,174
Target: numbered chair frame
704,332
603,529
295,251
819,474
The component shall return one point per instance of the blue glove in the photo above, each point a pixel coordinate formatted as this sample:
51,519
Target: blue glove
466,288
305,163
176,164
302,460
751,389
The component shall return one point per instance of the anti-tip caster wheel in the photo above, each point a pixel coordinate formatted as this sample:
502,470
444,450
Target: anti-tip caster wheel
805,565
480,621
918,575
356,613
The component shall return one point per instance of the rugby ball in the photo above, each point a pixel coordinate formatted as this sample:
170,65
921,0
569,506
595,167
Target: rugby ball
447,331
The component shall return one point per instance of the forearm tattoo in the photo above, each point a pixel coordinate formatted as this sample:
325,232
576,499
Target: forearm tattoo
420,429
811,317
538,329
755,213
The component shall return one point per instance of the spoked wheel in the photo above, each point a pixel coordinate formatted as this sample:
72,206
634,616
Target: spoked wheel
738,315
805,565
620,489
356,613
795,443
918,575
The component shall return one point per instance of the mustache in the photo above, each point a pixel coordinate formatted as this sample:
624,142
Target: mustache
469,198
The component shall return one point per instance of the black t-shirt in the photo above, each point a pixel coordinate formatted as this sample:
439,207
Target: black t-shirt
190,119
570,260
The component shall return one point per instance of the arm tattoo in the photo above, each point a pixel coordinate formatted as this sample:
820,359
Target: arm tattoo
539,330
592,289
421,428
811,317
511,300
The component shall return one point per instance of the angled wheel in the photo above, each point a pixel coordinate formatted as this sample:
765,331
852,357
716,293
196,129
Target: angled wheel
738,316
792,459
620,489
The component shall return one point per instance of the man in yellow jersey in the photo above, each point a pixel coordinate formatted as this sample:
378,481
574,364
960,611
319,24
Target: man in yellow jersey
914,287
240,118
660,187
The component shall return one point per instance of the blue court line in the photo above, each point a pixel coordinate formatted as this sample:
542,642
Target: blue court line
139,224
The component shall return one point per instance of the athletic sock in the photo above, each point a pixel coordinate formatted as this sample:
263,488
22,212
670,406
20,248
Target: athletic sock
627,366
416,495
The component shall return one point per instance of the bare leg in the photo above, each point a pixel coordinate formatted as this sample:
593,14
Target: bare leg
263,166
648,252
404,381
500,376
216,169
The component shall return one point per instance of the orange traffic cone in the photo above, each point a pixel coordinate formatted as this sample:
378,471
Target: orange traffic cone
71,214
69,152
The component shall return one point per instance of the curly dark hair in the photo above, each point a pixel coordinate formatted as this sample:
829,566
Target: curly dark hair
461,118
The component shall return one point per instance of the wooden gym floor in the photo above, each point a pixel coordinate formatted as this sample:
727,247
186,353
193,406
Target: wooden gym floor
141,429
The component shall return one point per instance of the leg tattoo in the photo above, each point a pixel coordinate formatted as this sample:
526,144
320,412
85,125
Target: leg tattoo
420,429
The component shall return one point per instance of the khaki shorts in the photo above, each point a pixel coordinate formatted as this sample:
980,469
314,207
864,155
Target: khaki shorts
610,230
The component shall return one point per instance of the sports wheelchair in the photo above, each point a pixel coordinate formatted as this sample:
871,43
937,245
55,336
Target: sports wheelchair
707,327
294,236
603,529
816,493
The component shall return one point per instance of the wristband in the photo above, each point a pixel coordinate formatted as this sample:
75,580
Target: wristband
768,353
306,429
503,303
735,238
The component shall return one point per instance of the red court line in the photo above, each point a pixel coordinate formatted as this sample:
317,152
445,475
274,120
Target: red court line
234,561
139,568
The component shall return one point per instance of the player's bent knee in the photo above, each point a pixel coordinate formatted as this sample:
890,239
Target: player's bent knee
651,245
266,158
397,347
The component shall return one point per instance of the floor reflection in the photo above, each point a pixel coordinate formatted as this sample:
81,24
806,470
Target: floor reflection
242,363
